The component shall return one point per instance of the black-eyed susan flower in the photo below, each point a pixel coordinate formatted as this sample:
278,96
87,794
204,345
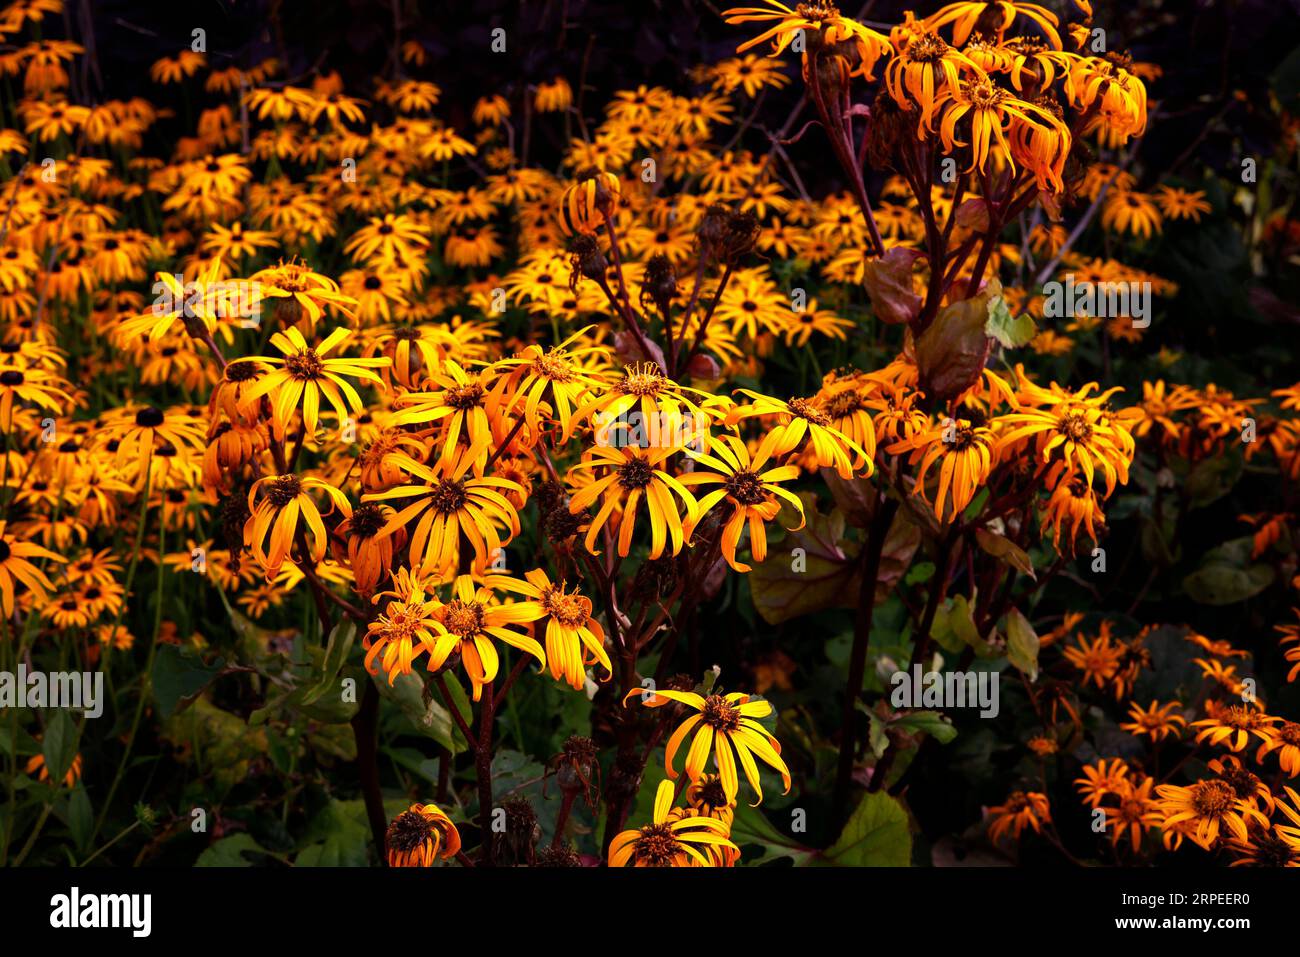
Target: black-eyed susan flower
1021,810
421,835
670,839
1208,808
1156,721
631,476
16,568
749,485
275,504
804,419
726,727
452,508
1234,725
302,375
574,639
473,616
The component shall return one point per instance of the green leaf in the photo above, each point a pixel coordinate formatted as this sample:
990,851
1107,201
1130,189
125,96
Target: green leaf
1011,331
1213,478
1217,584
81,817
336,656
1227,575
229,852
751,826
933,723
179,676
1003,548
1022,643
876,835
59,746
430,718
336,837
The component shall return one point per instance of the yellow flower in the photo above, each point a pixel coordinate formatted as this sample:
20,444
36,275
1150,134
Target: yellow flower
725,727
1207,808
633,475
304,375
751,489
451,507
1021,810
272,526
574,639
420,835
670,840
15,567
472,618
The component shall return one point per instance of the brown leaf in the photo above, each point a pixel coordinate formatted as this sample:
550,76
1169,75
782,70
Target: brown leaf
951,353
889,284
821,574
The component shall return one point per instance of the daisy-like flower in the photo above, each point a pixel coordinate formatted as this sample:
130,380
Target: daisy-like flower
821,18
1099,781
633,475
670,839
553,378
393,238
207,299
726,727
1098,659
1178,203
402,632
148,430
1128,211
29,385
297,292
1089,438
1136,813
644,398
473,617
749,486
574,639
1020,810
1155,721
1207,808
964,452
1286,742
801,419
995,16
452,508
419,836
1234,725
303,375
16,568
458,406
275,503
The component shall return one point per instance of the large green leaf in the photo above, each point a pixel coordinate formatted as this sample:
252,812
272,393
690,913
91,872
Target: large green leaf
1227,575
336,837
59,746
876,835
179,676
